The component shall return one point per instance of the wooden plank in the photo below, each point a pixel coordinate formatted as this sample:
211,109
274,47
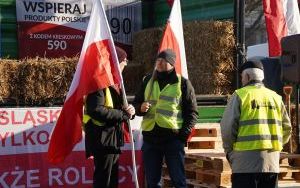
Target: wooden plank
207,155
208,144
284,161
190,172
191,183
294,162
214,177
199,139
289,169
203,151
286,175
296,176
289,155
197,184
207,125
206,132
201,145
208,162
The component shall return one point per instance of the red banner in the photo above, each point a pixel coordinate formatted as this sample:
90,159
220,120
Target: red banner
51,28
24,139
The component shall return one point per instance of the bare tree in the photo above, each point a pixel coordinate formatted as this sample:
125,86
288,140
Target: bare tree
255,29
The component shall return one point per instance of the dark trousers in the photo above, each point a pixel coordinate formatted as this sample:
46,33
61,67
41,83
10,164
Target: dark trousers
254,180
106,171
153,155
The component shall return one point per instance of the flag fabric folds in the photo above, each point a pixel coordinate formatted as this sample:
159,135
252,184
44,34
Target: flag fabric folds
170,2
97,68
173,39
282,19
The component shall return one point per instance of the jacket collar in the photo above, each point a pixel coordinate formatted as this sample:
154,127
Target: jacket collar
255,82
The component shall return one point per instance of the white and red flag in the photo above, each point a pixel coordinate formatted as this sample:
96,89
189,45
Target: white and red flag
97,68
282,19
173,38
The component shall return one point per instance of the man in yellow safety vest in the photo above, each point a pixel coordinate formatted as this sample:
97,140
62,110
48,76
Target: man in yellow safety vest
255,126
168,105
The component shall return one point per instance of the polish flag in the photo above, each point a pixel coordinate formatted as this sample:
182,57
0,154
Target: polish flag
282,19
97,68
173,39
170,2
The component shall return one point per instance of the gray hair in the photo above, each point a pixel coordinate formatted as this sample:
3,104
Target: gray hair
254,74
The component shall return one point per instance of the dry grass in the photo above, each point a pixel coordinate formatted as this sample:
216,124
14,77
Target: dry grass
209,47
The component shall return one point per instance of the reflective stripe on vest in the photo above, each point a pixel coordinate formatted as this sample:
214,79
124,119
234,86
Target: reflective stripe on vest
108,103
260,124
165,107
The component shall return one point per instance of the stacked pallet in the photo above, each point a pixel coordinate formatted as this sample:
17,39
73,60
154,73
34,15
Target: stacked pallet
289,168
206,165
206,139
204,171
212,170
205,162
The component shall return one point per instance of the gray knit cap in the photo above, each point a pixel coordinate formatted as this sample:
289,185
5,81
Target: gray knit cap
169,55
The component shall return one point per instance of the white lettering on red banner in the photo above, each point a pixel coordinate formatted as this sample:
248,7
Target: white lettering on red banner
52,28
24,139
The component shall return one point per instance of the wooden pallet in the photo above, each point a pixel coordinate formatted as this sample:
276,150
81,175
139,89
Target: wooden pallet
213,169
207,125
207,132
190,171
293,159
203,151
210,127
191,183
219,178
215,161
289,173
204,145
207,137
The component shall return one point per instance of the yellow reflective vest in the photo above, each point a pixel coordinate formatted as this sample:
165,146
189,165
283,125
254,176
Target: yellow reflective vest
260,124
108,103
165,108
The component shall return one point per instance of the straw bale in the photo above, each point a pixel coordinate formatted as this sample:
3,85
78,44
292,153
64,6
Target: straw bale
45,80
8,78
145,46
38,81
132,75
209,50
209,47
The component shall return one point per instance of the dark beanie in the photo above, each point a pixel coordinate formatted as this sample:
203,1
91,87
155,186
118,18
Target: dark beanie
121,54
169,55
251,64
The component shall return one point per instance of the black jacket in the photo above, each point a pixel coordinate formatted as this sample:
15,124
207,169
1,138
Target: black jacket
188,102
108,138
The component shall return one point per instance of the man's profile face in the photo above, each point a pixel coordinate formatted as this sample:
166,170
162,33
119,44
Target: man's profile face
162,65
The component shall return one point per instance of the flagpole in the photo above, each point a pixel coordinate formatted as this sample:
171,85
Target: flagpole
125,103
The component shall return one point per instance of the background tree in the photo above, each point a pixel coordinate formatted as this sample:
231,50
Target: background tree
255,28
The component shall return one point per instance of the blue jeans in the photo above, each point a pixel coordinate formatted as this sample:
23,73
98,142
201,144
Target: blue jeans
173,152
